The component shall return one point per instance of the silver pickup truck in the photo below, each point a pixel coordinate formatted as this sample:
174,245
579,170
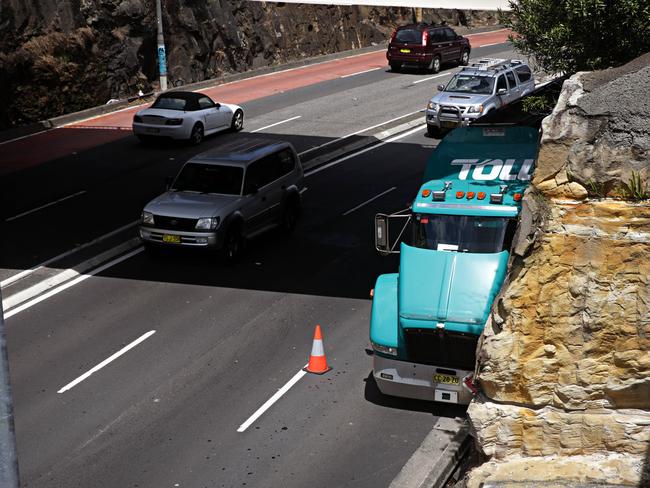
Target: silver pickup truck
475,90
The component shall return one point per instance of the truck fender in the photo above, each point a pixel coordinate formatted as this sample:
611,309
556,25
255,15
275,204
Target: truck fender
383,317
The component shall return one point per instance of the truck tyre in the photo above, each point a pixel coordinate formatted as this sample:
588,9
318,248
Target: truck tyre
395,67
464,58
433,131
434,66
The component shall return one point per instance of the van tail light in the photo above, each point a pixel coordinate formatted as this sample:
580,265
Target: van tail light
393,36
425,37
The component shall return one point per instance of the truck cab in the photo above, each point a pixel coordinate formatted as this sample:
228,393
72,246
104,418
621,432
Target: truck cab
427,318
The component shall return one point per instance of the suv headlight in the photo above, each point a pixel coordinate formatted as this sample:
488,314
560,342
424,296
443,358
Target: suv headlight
208,223
392,351
475,109
432,106
147,218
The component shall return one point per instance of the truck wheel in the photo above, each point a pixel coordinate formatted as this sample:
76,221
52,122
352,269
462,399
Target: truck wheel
433,131
464,58
434,66
395,67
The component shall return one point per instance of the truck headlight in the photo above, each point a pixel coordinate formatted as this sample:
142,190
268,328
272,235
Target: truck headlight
432,106
147,218
392,351
208,223
475,109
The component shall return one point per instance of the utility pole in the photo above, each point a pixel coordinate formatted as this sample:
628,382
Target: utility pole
8,456
162,59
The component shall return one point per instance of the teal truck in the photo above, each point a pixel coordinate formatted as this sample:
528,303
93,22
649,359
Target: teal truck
426,319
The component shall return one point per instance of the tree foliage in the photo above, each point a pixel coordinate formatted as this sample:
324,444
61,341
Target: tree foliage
579,35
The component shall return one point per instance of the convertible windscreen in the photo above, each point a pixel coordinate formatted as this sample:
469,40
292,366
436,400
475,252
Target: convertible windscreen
209,178
470,84
464,233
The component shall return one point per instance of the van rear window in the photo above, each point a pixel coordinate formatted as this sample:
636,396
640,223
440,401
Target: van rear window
408,36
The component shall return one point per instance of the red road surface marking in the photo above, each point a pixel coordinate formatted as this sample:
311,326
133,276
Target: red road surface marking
74,138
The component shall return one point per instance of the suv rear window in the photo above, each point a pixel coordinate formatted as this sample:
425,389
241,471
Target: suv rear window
408,36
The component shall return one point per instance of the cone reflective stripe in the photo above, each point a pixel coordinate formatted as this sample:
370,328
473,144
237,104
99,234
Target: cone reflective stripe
317,361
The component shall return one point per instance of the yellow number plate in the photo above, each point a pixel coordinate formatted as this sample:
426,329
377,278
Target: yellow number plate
448,380
405,51
171,239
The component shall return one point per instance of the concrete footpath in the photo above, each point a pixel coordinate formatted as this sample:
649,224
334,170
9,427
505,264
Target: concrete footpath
438,456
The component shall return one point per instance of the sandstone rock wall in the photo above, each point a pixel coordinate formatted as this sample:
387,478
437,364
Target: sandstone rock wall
58,56
564,363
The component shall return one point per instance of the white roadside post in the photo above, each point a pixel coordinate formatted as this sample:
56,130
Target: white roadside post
162,58
8,456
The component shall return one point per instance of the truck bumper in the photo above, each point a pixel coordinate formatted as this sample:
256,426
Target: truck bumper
412,380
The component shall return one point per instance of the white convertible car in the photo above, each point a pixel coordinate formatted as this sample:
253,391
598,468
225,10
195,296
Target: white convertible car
186,115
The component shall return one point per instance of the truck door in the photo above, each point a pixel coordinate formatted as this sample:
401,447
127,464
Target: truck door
514,91
502,86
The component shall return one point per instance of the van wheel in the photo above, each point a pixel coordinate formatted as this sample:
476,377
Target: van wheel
233,244
434,66
196,136
464,58
290,215
395,67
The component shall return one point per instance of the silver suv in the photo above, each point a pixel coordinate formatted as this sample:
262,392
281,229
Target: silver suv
475,90
223,196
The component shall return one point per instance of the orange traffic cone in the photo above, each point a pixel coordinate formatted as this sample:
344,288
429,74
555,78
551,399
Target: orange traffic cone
317,361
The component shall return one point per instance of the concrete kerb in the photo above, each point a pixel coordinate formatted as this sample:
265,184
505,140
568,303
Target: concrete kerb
439,455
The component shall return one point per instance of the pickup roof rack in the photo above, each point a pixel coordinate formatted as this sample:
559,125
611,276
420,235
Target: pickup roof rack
495,64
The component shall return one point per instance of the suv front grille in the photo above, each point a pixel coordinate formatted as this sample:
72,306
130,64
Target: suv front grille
441,348
174,223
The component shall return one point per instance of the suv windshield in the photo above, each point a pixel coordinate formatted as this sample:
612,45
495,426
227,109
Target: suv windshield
209,178
463,233
464,83
408,36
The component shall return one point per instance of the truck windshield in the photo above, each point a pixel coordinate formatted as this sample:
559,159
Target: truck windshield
209,178
470,84
463,233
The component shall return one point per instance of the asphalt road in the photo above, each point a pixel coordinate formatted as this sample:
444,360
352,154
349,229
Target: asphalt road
167,412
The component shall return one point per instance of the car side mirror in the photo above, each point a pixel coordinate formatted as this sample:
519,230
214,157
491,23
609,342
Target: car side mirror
168,182
441,87
217,106
501,91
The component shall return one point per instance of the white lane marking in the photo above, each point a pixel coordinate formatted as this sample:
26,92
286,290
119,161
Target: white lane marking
277,123
70,284
278,394
45,206
492,44
360,72
349,156
106,361
486,32
359,132
368,201
433,77
304,190
12,279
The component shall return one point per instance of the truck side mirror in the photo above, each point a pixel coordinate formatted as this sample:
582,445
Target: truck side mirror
381,233
501,91
441,87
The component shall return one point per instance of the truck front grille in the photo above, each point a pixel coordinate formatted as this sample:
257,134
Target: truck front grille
174,223
441,348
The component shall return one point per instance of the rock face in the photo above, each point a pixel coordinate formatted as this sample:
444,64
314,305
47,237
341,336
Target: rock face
59,56
565,360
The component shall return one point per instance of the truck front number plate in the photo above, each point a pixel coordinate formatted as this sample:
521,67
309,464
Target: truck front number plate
171,239
448,380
